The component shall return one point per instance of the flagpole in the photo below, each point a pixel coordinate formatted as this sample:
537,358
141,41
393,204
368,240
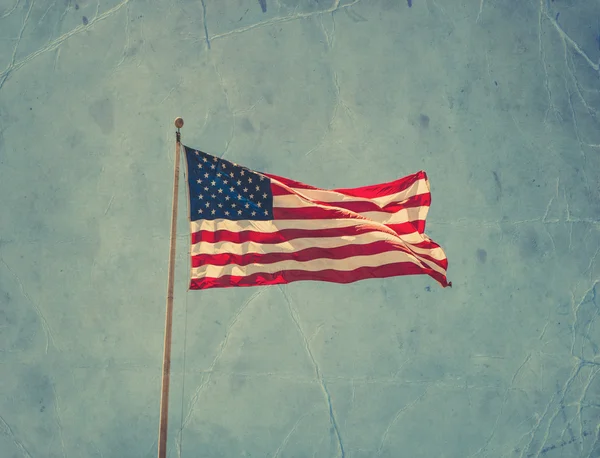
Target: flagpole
166,367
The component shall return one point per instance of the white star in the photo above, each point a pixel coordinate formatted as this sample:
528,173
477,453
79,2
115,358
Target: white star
206,175
200,196
215,159
262,178
206,188
251,196
197,153
232,189
223,164
232,205
220,205
231,174
239,196
239,212
264,195
227,197
227,213
225,181
198,181
204,159
257,187
249,180
253,213
214,211
219,174
200,210
199,166
207,204
220,191
213,182
239,182
242,173
247,205
266,212
213,196
259,204
245,189
213,166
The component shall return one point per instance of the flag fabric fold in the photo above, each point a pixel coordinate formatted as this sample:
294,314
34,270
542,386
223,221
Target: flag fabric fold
252,228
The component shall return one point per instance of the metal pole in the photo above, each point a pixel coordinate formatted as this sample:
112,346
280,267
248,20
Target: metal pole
166,368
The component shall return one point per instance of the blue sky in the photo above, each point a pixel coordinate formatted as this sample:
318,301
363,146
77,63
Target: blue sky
497,103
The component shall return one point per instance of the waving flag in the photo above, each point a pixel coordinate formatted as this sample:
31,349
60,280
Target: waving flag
252,228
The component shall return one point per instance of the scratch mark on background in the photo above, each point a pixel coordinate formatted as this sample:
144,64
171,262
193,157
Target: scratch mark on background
395,419
320,378
278,20
109,204
9,12
55,43
206,37
7,431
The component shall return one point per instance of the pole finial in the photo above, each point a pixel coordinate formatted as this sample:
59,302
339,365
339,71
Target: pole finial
179,122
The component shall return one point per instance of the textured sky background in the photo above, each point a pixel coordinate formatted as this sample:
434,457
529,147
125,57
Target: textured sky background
496,100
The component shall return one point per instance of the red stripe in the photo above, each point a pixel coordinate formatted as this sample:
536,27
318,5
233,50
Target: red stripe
281,213
426,245
308,254
369,192
329,275
409,227
384,189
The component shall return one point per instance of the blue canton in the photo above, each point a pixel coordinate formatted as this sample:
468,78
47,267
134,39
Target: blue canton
222,189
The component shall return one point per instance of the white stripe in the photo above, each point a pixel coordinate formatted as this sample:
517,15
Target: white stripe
271,226
399,217
299,244
419,187
342,265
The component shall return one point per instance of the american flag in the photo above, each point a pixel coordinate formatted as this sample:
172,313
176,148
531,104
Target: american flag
252,228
